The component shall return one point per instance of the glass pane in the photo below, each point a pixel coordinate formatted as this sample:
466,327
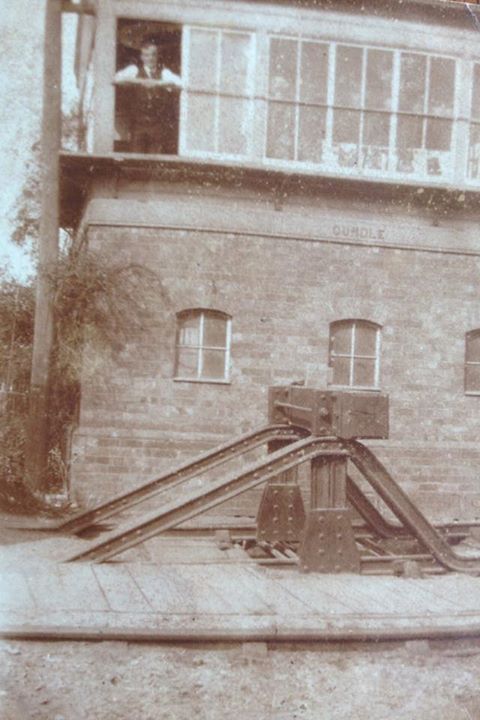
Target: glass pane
472,353
376,129
341,371
442,80
439,134
409,132
281,131
202,71
233,126
412,82
311,133
341,339
234,63
283,69
346,126
213,364
187,363
200,123
313,72
472,378
379,80
365,340
348,76
364,373
215,331
476,92
189,331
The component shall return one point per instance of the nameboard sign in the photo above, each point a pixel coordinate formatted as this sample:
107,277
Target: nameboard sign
348,231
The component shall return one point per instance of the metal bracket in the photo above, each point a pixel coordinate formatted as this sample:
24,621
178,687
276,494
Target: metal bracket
329,543
281,515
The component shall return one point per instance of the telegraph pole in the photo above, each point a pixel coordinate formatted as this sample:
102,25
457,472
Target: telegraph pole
43,338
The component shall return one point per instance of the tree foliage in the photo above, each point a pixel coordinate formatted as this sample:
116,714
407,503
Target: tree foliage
99,305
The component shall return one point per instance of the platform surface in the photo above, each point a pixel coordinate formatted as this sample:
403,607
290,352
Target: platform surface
190,585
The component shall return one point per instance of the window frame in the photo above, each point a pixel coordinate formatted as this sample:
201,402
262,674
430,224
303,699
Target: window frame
329,161
352,355
184,148
201,314
471,334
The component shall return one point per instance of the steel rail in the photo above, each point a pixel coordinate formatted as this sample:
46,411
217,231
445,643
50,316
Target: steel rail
405,510
199,500
272,633
186,471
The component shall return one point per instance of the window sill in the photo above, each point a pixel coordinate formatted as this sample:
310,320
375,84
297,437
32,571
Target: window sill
472,393
355,388
203,381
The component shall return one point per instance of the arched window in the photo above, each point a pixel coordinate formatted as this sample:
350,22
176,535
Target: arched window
472,362
354,354
203,346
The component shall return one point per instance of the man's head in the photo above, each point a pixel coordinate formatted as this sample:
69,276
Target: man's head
149,54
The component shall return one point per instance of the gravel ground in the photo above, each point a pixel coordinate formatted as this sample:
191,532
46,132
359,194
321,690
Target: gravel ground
130,681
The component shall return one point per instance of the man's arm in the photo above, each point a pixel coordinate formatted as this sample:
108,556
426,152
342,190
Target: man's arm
171,78
128,74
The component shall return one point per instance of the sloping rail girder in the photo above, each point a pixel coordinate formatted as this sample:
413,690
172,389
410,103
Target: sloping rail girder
405,510
380,526
199,500
374,519
205,462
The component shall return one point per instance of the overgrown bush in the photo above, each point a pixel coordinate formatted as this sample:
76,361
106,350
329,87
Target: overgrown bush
98,304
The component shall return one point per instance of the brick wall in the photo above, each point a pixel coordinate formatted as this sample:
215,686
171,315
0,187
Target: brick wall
282,293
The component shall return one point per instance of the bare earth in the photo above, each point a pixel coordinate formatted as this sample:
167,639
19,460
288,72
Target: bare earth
130,681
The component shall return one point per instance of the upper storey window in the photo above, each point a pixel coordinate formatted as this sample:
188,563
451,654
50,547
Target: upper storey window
360,110
297,100
217,108
425,104
148,83
329,106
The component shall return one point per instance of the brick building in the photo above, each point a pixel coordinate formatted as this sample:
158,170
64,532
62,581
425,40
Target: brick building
312,213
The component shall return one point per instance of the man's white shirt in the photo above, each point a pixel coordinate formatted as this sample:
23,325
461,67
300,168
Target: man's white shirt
131,72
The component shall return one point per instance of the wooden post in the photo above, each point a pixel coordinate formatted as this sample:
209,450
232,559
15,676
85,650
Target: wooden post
104,68
37,441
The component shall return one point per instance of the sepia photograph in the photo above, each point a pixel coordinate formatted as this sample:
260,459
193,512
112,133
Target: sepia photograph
240,360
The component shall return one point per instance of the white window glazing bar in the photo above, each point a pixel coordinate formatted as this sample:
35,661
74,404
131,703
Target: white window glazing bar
378,339
250,92
184,94
298,66
394,104
352,355
363,92
218,70
200,340
426,100
332,50
228,349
